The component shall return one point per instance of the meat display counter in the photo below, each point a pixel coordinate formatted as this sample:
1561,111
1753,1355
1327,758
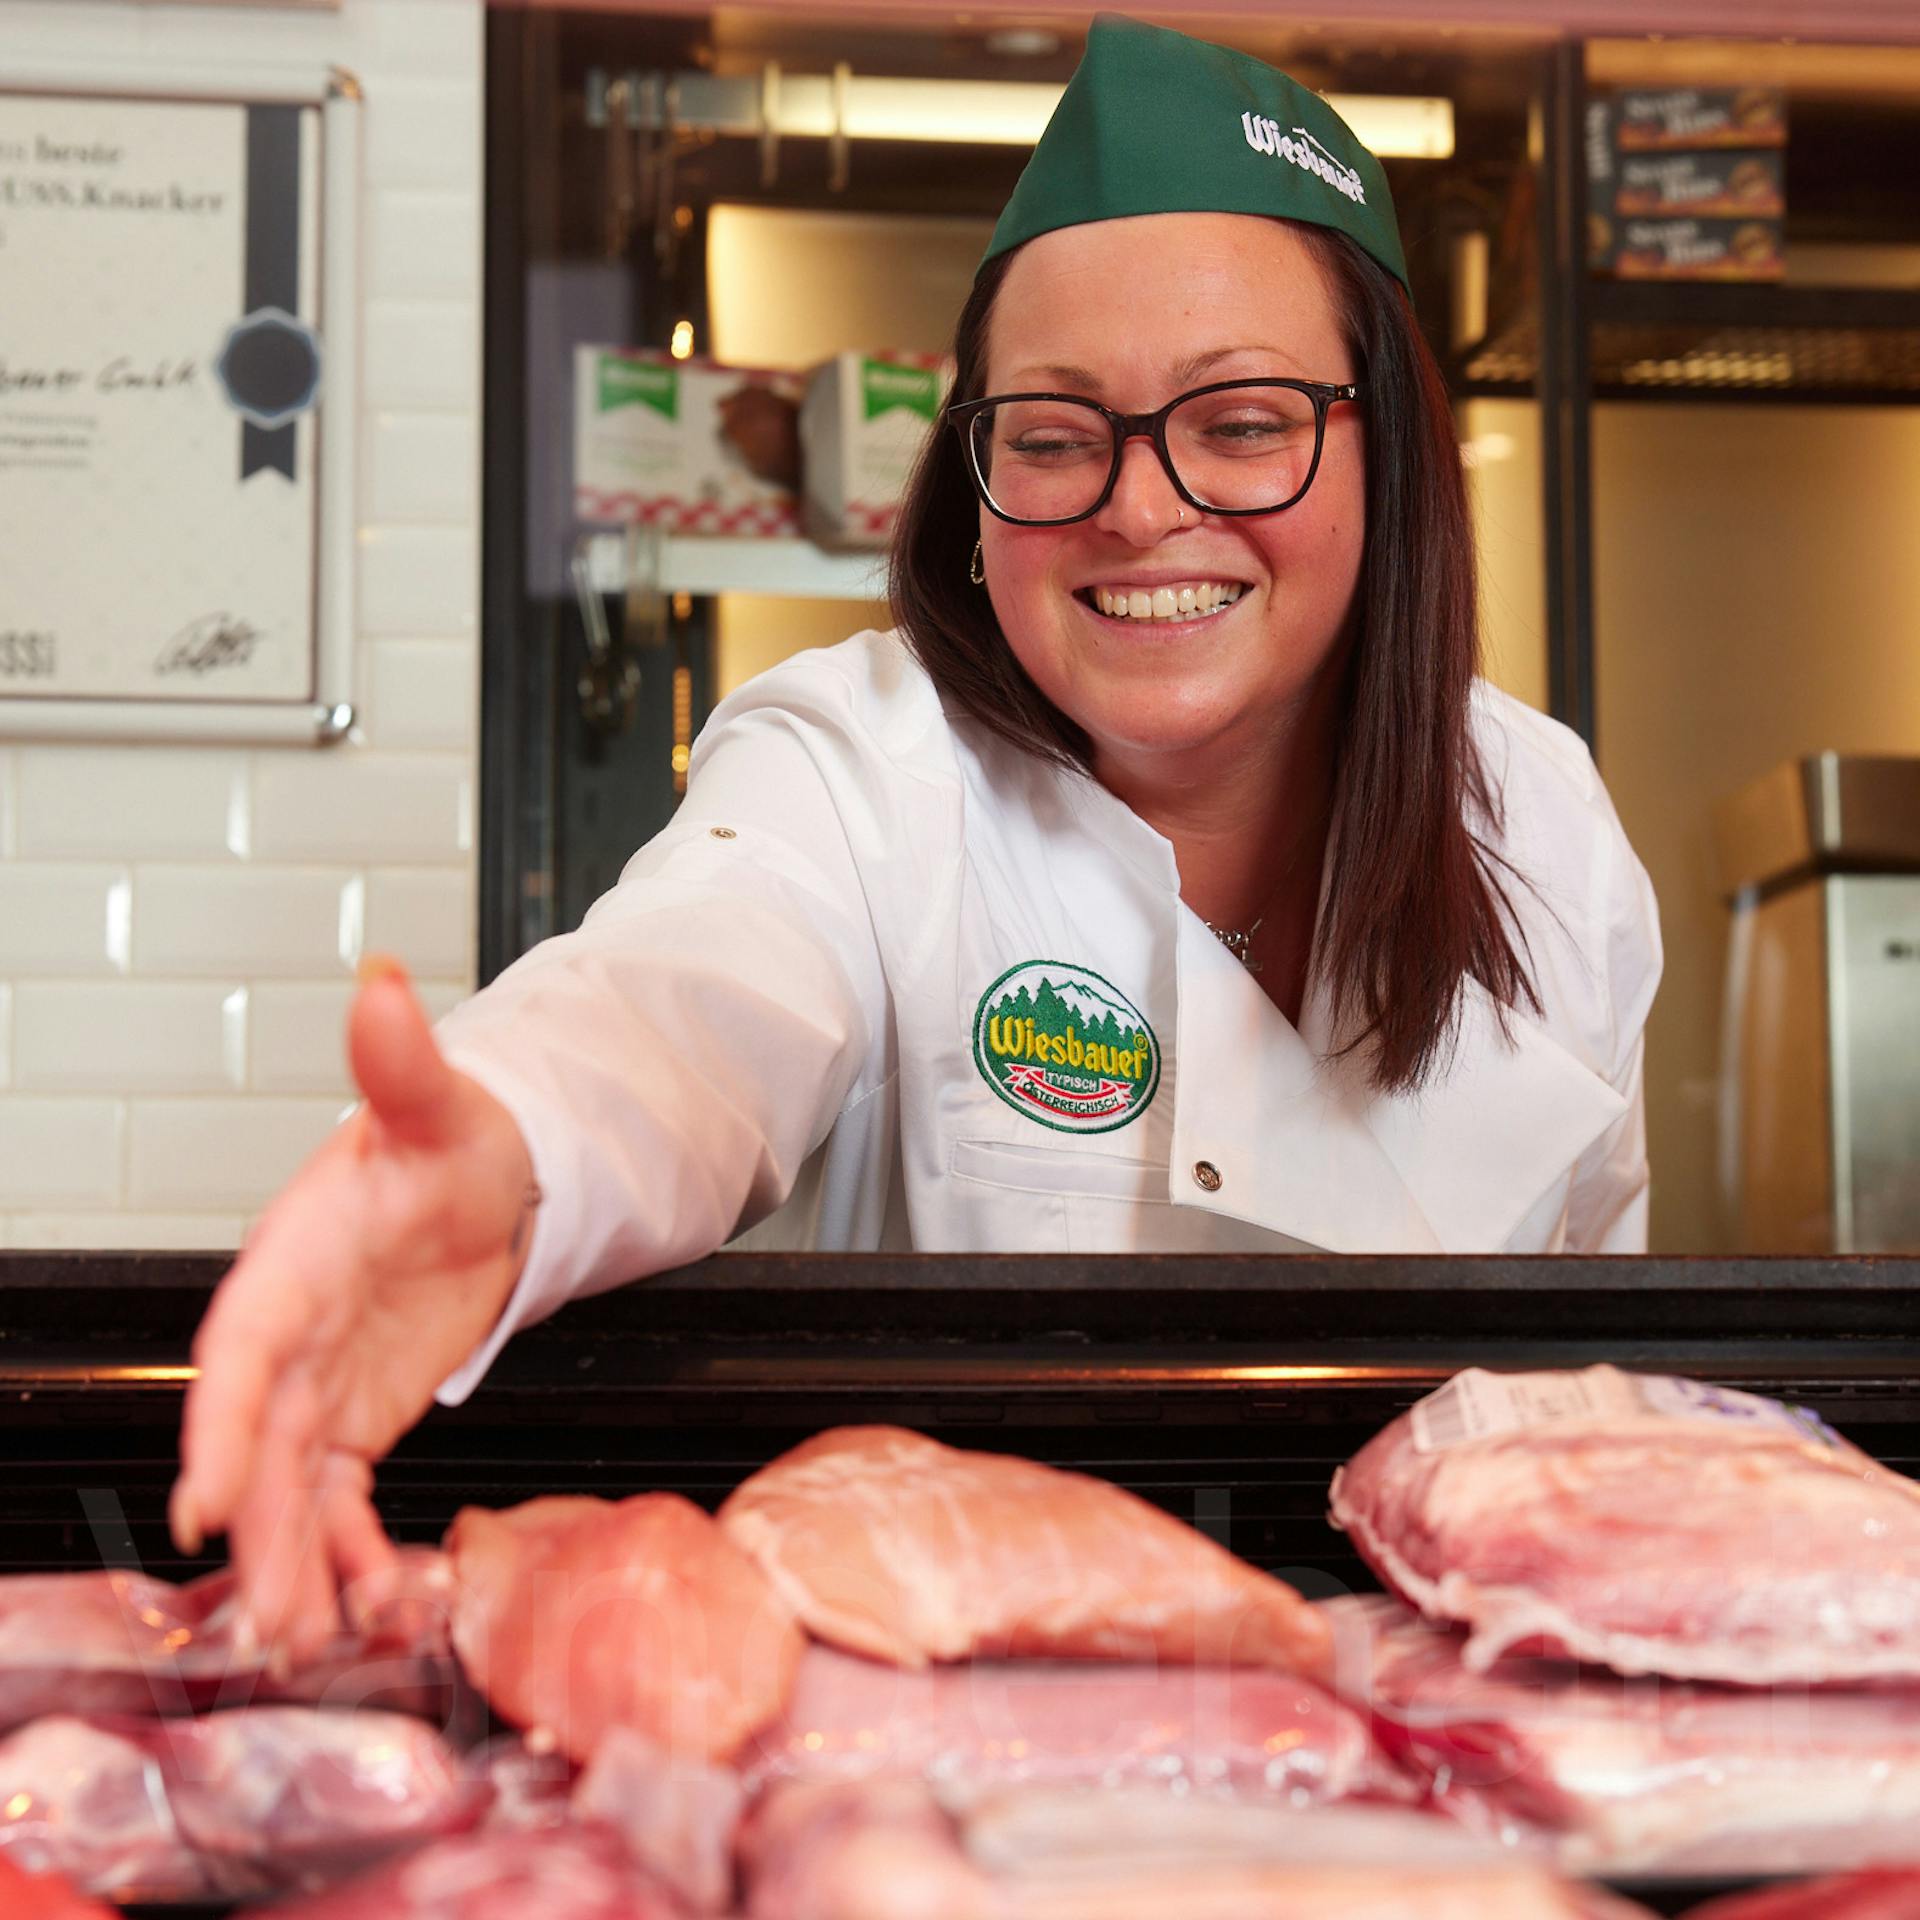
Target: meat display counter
1226,1390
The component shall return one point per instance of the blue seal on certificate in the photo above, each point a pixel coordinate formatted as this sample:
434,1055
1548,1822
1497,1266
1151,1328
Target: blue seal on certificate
269,367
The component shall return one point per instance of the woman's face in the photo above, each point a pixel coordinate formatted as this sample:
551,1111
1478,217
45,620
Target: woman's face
1131,313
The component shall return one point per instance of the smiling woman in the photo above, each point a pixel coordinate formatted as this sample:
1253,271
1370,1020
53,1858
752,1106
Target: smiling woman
1164,882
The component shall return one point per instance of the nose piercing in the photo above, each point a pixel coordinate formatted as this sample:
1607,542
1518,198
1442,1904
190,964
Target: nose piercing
1182,521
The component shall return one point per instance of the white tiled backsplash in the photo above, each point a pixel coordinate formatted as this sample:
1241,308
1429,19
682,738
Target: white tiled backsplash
179,926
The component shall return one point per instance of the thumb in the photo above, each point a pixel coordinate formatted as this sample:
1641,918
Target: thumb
396,1062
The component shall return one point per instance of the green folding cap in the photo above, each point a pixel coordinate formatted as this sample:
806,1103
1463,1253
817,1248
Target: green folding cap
1155,121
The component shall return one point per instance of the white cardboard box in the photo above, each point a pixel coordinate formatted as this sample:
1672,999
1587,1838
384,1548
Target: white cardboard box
649,446
865,419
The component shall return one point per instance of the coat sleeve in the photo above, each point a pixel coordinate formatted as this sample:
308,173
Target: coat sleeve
673,1062
1607,1202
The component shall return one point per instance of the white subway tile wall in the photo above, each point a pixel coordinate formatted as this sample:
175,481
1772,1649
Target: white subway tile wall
234,1151
179,926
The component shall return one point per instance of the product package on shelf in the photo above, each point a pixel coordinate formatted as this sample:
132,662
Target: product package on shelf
688,446
1688,183
1679,119
866,417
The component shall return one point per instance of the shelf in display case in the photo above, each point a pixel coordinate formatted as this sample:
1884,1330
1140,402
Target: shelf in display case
680,563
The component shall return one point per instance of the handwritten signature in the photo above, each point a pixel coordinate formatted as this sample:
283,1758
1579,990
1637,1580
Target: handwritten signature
214,640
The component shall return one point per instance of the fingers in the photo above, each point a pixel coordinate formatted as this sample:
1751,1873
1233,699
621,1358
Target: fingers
363,1559
396,1062
278,1541
296,1273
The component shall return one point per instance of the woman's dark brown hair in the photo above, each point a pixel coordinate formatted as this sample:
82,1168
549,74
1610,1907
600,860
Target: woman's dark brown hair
1414,903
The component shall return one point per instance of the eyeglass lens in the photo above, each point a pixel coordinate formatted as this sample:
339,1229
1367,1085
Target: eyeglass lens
1242,447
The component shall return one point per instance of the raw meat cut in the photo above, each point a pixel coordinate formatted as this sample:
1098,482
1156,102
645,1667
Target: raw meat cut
32,1896
889,1544
571,1874
1884,1894
87,1802
885,1850
1644,1523
676,1816
296,1797
121,1642
229,1804
978,1727
575,1615
1640,1775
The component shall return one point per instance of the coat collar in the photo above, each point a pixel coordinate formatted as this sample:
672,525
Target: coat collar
1304,1148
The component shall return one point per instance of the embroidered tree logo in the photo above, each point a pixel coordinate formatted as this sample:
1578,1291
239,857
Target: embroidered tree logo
1065,1047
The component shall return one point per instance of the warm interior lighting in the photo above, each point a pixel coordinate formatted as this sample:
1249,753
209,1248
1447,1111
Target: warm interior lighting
681,345
1013,112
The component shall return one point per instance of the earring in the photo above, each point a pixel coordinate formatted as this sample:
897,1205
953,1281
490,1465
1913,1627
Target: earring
975,571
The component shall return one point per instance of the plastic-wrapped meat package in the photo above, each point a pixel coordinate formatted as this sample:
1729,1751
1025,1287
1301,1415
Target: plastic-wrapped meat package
886,1850
888,1544
574,1616
1882,1894
1637,1775
228,1804
33,1896
1644,1523
398,1658
295,1797
983,1725
568,1874
529,1789
88,1802
117,1642
107,1642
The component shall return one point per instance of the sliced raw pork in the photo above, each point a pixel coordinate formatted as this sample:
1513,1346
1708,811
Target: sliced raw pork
891,1545
575,1615
1642,1775
575,1873
1880,1895
33,1896
978,1727
1643,1523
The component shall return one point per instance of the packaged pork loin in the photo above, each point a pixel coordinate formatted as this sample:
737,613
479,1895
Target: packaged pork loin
1645,1523
1643,1776
979,1728
889,1850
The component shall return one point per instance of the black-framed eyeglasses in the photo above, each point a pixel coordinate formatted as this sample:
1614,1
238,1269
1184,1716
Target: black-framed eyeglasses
1236,447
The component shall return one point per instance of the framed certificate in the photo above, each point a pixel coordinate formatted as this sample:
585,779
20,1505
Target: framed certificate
178,381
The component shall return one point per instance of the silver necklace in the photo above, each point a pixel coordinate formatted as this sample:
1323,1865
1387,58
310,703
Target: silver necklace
1237,943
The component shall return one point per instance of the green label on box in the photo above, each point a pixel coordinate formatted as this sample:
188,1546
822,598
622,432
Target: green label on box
884,385
643,383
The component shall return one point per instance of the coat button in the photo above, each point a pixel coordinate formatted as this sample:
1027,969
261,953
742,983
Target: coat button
723,833
1207,1175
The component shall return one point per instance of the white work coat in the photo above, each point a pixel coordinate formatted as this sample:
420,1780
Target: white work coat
789,1016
